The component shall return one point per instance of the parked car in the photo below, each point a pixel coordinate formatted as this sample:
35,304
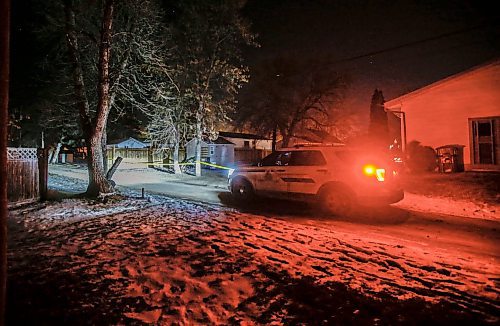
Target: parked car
336,178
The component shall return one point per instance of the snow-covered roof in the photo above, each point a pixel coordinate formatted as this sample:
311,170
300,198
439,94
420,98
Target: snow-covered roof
218,141
130,140
241,135
221,141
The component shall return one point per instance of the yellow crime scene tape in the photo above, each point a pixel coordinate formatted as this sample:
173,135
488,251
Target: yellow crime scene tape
171,164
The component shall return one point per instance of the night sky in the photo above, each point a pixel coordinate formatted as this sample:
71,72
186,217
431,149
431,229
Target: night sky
429,39
340,30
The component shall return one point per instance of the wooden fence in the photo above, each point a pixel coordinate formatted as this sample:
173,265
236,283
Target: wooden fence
249,155
142,155
26,174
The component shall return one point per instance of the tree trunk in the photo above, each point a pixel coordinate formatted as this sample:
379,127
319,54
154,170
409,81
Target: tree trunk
177,168
286,137
98,184
114,167
104,146
198,142
51,154
4,105
55,155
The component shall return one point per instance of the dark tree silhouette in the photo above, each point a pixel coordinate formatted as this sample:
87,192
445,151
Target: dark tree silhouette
4,105
288,95
378,128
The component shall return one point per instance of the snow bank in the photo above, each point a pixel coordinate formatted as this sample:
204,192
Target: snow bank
447,206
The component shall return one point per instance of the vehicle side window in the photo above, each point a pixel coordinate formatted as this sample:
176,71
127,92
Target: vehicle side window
270,159
283,158
303,158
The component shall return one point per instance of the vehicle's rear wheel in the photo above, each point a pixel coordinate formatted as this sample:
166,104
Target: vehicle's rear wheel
336,201
242,190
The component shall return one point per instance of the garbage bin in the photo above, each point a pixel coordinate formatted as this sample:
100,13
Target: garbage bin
451,158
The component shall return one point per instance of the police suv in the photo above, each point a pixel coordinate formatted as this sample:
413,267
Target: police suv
335,177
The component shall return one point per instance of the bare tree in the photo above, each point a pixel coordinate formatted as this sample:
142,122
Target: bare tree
103,81
93,127
156,83
209,36
290,95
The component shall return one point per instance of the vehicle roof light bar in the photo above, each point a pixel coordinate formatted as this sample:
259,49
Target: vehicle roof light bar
317,145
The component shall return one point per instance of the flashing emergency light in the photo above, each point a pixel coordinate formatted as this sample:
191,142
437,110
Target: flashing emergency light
371,170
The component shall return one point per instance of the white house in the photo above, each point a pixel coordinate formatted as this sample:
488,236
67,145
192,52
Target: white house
129,143
219,151
462,110
247,141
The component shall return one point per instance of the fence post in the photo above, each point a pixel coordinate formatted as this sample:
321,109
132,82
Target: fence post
43,172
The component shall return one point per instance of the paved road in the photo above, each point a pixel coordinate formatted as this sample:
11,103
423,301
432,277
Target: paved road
467,235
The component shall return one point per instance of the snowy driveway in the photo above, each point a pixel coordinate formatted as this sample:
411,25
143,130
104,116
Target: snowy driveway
170,261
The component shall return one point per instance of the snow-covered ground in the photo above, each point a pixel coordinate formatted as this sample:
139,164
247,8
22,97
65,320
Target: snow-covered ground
165,260
209,187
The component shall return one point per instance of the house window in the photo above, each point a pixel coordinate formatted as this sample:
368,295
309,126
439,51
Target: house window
212,150
246,144
484,138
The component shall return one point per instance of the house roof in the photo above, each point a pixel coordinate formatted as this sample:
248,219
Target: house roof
241,135
218,141
119,141
221,141
396,101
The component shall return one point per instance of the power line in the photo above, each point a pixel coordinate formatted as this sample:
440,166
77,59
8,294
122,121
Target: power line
409,44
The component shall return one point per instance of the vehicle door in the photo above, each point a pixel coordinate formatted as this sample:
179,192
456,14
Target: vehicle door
269,179
306,171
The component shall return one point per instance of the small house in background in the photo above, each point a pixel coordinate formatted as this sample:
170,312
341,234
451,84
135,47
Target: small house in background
230,148
131,150
219,151
128,143
460,112
243,140
248,148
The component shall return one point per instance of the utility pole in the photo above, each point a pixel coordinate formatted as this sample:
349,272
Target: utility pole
4,107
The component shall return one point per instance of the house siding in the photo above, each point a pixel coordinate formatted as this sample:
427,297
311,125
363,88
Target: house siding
223,154
191,149
253,143
440,115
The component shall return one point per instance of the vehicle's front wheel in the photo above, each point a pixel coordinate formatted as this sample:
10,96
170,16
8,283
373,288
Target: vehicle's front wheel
242,190
336,201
